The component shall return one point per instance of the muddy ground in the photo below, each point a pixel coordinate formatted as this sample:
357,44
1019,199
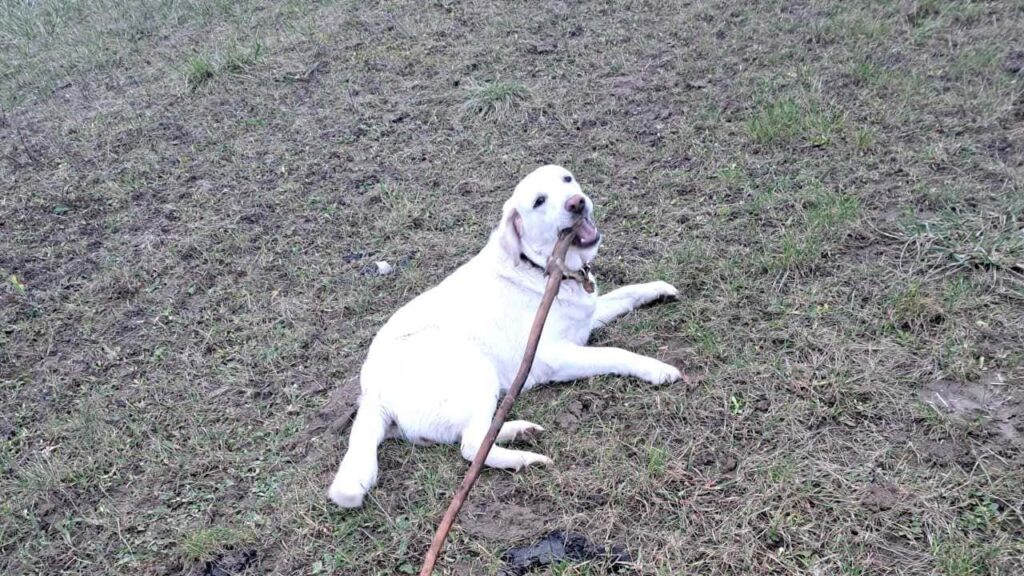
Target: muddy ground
191,194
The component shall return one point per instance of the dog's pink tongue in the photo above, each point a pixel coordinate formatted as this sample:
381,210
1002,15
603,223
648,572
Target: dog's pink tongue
587,232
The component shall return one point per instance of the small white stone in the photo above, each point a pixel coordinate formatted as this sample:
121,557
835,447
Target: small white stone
383,268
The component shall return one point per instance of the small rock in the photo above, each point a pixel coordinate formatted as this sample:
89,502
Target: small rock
543,47
381,268
352,257
559,547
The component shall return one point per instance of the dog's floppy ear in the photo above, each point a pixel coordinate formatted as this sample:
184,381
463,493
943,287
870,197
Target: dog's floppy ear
509,233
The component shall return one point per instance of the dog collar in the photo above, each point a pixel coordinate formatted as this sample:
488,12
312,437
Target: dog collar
583,275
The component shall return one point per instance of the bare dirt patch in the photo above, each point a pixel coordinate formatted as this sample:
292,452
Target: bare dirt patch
500,521
993,404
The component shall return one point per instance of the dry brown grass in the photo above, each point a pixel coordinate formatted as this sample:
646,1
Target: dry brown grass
835,187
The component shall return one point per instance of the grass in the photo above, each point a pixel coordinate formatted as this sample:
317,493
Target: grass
824,218
198,70
784,120
193,189
492,100
203,545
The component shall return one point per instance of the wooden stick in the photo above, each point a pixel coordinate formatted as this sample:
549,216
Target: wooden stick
555,267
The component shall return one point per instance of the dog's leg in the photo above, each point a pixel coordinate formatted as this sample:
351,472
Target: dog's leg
570,362
518,430
498,457
358,470
628,298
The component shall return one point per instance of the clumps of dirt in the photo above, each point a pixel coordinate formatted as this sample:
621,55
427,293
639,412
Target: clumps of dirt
560,546
993,404
567,421
500,521
580,409
230,563
715,461
944,453
880,498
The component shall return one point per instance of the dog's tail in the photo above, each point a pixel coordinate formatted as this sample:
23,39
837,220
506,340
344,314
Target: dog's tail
358,470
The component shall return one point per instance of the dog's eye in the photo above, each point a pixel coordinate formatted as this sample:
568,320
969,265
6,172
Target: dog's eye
566,178
539,201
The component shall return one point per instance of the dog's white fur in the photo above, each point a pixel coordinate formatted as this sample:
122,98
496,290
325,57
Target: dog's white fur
435,370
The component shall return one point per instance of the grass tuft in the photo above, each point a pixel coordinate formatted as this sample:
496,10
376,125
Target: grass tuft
959,556
240,58
779,121
786,120
202,545
198,71
493,100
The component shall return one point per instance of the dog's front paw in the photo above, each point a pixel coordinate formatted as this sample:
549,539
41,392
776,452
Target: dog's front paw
519,431
529,433
531,459
660,289
659,373
346,496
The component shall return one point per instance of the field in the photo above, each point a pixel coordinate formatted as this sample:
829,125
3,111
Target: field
191,193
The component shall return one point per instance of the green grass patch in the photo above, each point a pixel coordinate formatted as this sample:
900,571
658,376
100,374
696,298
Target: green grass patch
198,70
909,309
959,556
493,100
823,219
204,544
239,58
785,120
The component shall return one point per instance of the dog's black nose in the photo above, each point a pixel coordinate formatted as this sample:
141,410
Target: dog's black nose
576,204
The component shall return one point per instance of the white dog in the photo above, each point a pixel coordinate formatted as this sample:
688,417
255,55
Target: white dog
435,370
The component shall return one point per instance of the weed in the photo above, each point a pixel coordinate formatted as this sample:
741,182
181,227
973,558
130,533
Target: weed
198,70
657,459
240,58
864,139
868,73
909,309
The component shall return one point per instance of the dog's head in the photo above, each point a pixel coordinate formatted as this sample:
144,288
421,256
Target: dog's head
543,204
